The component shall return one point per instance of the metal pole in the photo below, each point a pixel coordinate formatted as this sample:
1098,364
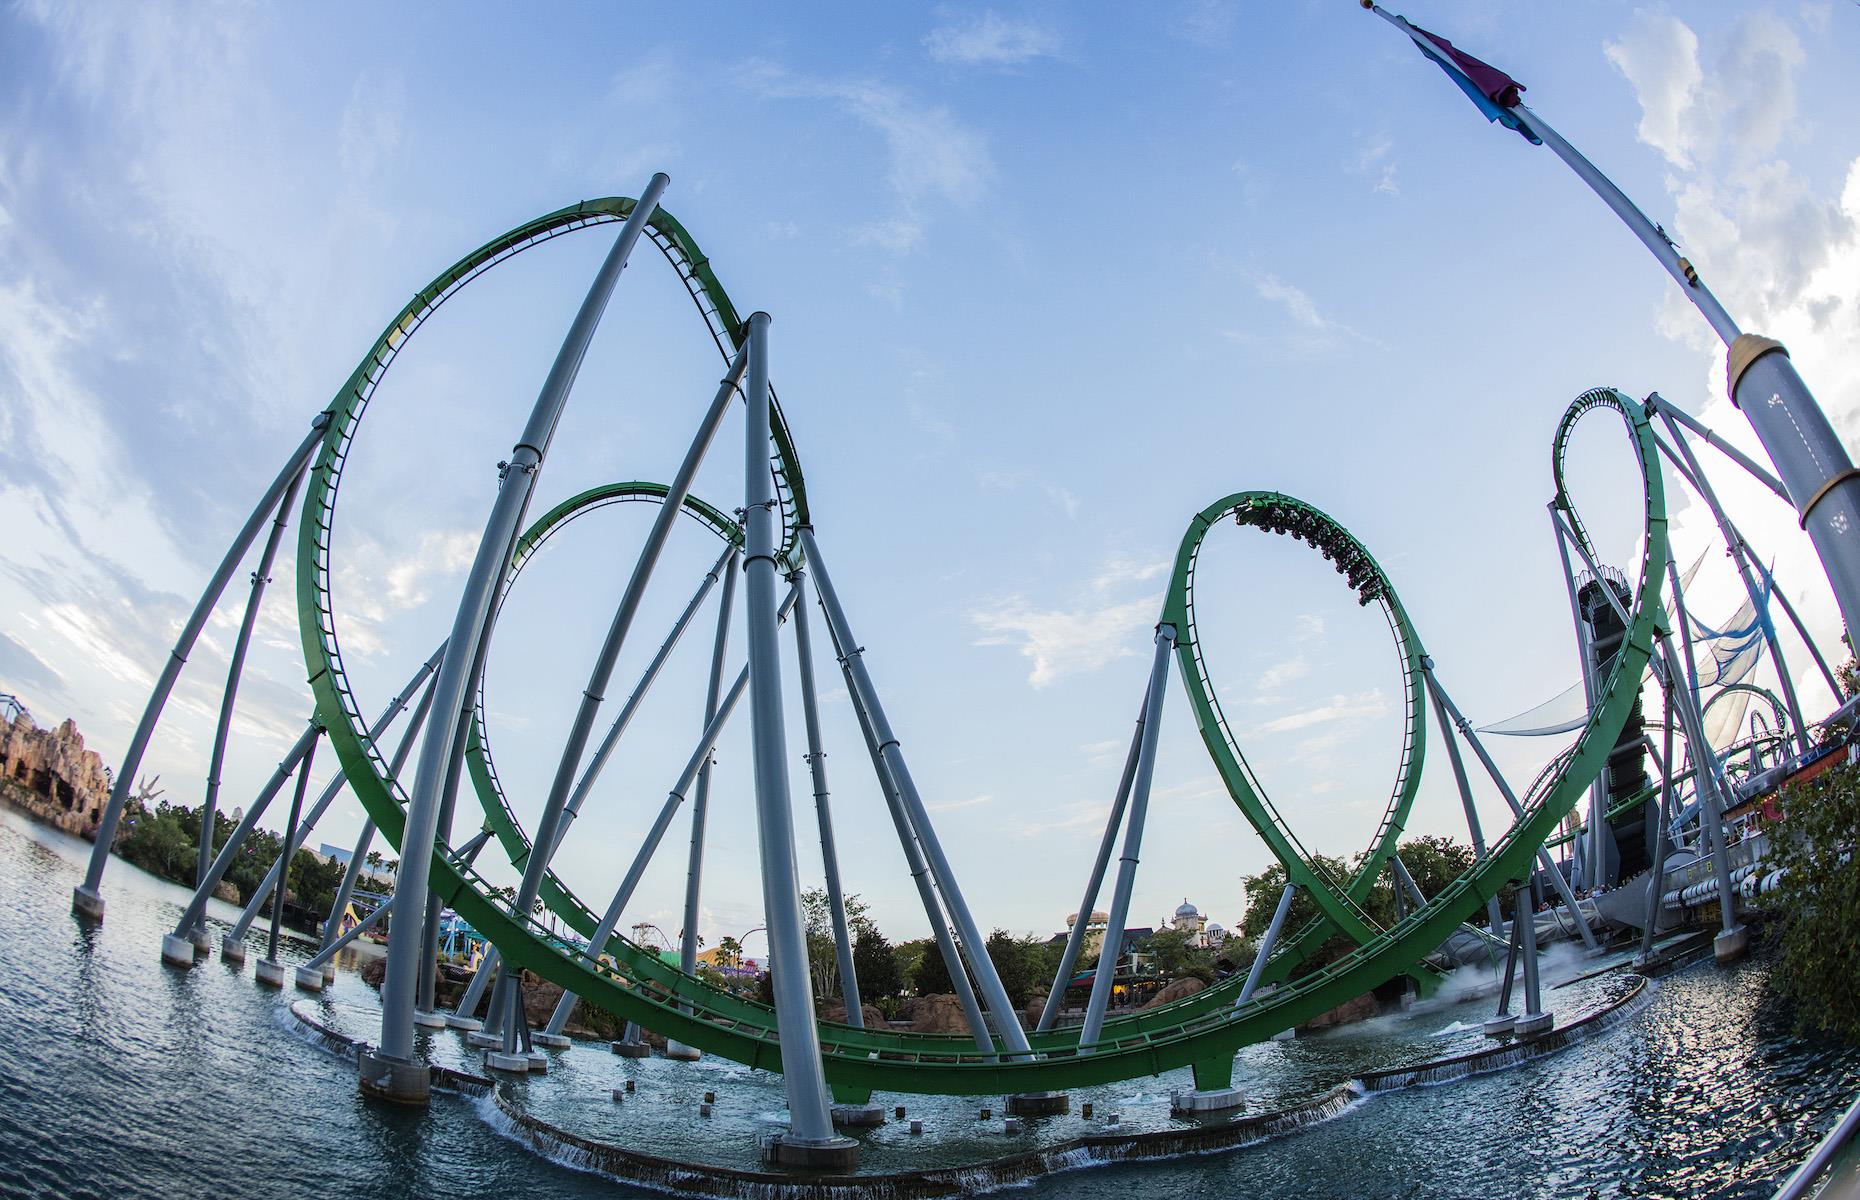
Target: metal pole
86,900
1493,919
810,1119
261,575
1591,867
1075,937
1154,695
405,937
547,826
1517,810
1266,944
1662,837
334,788
197,906
973,943
1524,911
919,872
700,801
1695,474
1809,455
426,985
362,926
289,848
823,813
1717,443
724,567
610,919
1511,962
1801,630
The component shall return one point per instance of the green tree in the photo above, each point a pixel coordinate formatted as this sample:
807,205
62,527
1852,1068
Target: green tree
1175,955
1817,900
822,953
729,951
1022,964
931,978
876,962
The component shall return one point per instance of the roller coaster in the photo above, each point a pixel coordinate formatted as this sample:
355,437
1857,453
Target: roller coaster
832,1068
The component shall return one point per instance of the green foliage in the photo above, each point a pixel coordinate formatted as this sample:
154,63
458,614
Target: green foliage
876,963
931,976
1817,902
822,954
1174,955
1433,861
1023,964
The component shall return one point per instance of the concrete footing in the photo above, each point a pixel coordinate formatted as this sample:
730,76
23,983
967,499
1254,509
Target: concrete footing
682,1052
329,971
1038,1104
270,972
483,1038
177,951
86,903
1532,1026
232,949
857,1116
1213,1100
538,1061
202,940
394,1079
1503,1026
1729,947
552,1041
497,1060
310,979
631,1049
427,1020
468,1024
833,1154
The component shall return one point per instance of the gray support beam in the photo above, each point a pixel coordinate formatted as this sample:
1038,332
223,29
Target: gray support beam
1493,920
1266,944
1154,694
920,872
1075,937
1695,475
823,813
289,848
1512,952
548,825
235,669
341,941
390,1069
974,945
700,800
810,1120
1662,830
1658,403
197,906
1517,810
623,895
1597,804
724,568
1524,911
86,900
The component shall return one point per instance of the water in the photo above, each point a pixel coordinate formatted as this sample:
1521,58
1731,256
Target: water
129,1079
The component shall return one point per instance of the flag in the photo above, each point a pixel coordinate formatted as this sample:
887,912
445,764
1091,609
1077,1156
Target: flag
1484,84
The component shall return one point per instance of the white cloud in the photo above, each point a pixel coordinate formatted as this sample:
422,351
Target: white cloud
954,805
1376,161
1782,253
991,40
1340,708
931,156
1066,641
1660,57
1280,674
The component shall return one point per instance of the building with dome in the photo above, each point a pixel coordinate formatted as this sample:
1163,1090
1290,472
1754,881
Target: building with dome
1189,920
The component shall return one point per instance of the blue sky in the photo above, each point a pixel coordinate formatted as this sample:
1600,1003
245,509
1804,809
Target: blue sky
1046,280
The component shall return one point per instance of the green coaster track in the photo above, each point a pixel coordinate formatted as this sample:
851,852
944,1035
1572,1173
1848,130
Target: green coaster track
1202,1031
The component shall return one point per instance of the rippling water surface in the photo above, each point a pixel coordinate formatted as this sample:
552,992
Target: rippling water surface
124,1078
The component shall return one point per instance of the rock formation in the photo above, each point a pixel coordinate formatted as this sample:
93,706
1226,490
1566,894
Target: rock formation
1175,991
51,775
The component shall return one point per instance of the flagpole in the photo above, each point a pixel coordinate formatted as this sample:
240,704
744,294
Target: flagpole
1810,457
